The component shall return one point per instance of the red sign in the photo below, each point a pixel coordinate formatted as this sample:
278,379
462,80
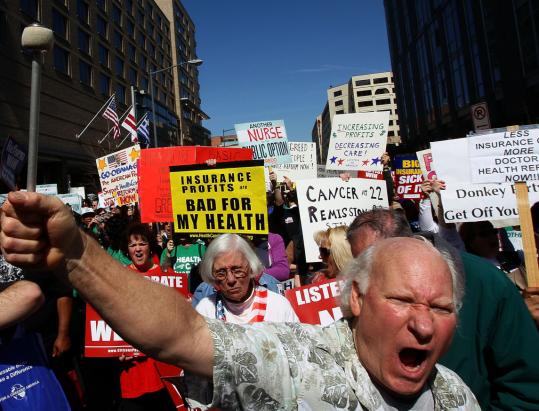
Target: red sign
155,202
100,340
373,175
316,303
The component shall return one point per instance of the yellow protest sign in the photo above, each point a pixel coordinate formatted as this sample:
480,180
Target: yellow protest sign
228,198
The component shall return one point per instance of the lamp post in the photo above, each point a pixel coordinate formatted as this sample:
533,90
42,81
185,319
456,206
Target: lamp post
38,40
223,136
194,62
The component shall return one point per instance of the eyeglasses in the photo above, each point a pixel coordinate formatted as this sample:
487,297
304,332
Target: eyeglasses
238,272
324,252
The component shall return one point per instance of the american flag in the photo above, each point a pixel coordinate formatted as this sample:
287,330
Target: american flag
110,114
117,159
144,130
130,124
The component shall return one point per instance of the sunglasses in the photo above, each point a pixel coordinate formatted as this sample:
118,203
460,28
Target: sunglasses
324,252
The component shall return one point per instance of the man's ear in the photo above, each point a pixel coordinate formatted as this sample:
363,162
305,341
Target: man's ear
356,300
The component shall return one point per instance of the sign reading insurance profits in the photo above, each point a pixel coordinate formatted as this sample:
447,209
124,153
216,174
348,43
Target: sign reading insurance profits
118,176
302,165
227,198
358,141
267,139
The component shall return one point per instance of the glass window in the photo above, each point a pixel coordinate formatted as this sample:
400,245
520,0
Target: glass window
61,60
132,76
140,18
144,83
339,112
363,93
364,103
103,55
366,82
116,15
380,80
338,103
85,73
59,23
82,11
159,21
142,61
30,8
117,40
141,40
128,6
382,91
120,93
101,26
104,84
130,27
150,29
119,66
131,51
383,101
101,4
159,39
337,93
84,41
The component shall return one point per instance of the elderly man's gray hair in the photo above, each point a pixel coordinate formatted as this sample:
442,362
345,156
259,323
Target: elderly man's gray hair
360,269
224,244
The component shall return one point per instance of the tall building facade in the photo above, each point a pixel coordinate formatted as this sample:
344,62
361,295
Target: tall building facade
362,93
101,48
448,55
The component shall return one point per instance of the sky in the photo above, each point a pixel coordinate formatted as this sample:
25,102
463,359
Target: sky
275,59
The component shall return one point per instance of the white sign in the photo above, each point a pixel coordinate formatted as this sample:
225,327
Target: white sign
323,172
504,157
480,116
267,139
358,141
303,164
331,202
48,189
73,200
78,190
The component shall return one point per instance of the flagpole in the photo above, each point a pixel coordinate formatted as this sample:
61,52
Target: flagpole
128,134
77,136
123,116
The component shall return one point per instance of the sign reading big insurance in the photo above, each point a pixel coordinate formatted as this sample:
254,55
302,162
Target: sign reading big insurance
267,139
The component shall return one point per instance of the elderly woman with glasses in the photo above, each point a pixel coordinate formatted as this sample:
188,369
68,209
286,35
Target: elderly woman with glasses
231,266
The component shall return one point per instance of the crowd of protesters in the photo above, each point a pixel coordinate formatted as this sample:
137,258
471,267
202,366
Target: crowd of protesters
237,281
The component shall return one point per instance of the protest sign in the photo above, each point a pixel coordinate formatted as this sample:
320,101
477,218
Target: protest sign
100,340
73,200
285,285
267,139
303,164
374,175
155,202
358,141
316,303
504,157
227,198
323,172
12,162
78,190
47,189
331,202
118,176
409,177
425,163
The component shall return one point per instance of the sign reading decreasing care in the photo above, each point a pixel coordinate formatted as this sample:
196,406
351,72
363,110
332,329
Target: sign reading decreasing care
331,202
303,163
358,141
267,139
227,198
118,176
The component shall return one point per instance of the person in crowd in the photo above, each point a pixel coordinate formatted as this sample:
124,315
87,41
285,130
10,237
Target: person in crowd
115,230
494,348
182,254
231,266
272,254
402,315
18,300
336,253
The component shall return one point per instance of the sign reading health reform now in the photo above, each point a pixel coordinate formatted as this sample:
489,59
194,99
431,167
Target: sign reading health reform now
227,198
267,139
358,141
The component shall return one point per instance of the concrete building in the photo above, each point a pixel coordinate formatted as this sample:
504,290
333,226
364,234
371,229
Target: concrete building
102,47
363,93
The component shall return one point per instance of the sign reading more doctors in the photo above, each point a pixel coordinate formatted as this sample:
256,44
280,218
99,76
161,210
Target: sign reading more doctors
267,139
358,141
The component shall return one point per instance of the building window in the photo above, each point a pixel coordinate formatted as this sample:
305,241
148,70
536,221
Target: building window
141,40
390,133
61,60
380,80
140,18
59,23
120,93
101,27
119,66
116,15
144,83
390,122
339,112
159,39
83,11
150,29
101,4
383,101
130,27
84,41
104,84
117,40
30,8
128,6
85,73
364,103
142,61
103,55
382,91
159,21
131,51
363,93
366,82
151,49
337,93
132,76
338,103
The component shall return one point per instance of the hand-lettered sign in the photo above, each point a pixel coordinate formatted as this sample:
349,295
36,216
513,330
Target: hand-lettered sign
267,139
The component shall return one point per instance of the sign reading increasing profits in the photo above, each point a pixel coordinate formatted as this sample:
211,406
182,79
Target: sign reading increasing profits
358,141
303,164
13,158
267,139
228,198
331,202
118,176
409,177
504,157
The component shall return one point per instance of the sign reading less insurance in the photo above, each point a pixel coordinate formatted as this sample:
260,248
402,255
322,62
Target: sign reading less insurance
227,198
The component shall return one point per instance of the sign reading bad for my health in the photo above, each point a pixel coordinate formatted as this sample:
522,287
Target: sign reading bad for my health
227,198
358,141
267,139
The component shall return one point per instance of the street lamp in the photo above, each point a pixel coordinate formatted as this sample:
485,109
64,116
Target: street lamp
194,62
38,40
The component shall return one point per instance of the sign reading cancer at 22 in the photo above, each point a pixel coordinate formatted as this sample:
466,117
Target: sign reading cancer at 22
227,198
358,141
267,139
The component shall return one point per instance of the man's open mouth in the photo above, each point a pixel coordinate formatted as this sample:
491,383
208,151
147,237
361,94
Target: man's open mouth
412,358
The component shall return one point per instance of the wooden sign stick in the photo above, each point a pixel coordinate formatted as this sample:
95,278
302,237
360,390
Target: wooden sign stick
528,236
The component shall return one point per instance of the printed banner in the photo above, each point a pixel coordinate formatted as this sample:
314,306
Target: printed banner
331,202
100,340
13,160
303,164
316,303
267,139
118,176
323,172
358,141
48,189
228,198
409,177
285,285
155,202
72,200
